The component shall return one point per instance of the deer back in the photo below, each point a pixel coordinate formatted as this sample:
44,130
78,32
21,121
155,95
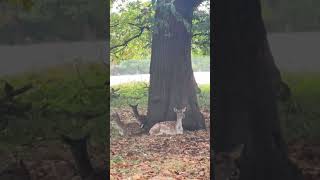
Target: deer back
166,127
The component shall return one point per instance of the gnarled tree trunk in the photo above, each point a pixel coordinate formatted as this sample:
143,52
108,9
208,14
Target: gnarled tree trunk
171,76
246,81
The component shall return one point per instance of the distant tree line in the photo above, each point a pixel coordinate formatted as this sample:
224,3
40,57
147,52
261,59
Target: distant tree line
25,21
51,20
291,15
142,66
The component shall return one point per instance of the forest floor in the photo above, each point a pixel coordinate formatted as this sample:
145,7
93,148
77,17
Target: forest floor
180,157
186,156
50,160
306,155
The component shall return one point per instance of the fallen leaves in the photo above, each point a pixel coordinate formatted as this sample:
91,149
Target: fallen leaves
178,157
307,156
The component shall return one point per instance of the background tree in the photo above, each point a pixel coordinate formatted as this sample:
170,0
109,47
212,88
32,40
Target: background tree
47,20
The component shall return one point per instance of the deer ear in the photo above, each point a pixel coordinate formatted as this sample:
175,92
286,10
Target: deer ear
175,109
236,153
184,109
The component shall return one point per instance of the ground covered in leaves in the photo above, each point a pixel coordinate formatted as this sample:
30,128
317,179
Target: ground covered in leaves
306,154
184,156
179,157
51,161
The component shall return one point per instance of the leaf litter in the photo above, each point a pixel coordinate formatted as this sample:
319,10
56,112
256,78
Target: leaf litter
178,157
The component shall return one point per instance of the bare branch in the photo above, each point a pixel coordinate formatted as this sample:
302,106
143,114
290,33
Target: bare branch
113,25
125,43
200,34
16,92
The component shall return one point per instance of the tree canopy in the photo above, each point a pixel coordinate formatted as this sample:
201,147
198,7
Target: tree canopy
132,26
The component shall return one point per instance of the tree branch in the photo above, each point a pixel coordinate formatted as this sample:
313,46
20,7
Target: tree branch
125,43
16,92
200,34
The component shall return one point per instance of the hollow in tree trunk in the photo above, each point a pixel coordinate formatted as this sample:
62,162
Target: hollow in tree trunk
172,81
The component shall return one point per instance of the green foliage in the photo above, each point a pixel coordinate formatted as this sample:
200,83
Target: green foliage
142,66
138,93
291,15
45,20
201,33
125,25
201,63
136,18
59,98
303,118
131,67
24,4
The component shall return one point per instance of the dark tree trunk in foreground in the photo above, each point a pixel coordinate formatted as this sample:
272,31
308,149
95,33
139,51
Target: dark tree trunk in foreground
171,76
246,81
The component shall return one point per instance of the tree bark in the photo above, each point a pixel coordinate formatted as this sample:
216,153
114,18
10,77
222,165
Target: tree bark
246,82
171,75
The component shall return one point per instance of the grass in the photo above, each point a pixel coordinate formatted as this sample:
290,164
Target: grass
305,88
137,92
58,97
305,122
141,66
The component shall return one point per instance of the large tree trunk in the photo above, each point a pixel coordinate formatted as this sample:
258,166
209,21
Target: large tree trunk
246,81
171,76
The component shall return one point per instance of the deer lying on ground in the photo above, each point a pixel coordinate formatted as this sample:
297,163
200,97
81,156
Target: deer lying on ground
126,129
80,154
226,167
170,127
142,119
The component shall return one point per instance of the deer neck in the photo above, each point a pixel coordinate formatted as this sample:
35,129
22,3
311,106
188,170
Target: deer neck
136,112
179,125
120,124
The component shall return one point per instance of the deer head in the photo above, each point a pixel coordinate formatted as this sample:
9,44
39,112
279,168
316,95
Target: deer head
226,166
180,112
119,124
142,119
169,127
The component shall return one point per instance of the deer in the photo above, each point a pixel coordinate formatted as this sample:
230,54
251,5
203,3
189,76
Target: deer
126,129
170,127
226,164
80,154
142,119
